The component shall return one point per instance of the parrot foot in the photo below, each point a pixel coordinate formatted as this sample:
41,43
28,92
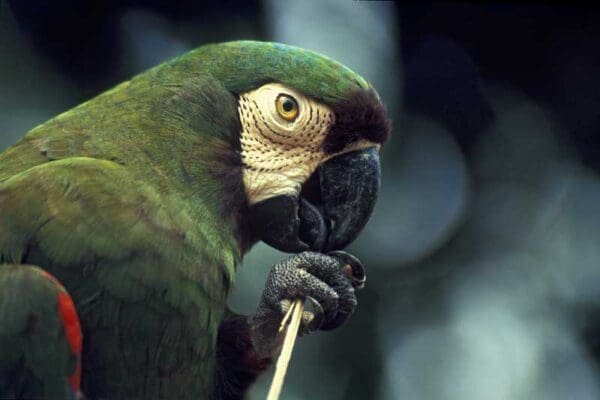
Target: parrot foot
328,282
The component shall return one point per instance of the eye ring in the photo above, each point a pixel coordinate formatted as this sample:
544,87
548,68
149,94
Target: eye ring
287,107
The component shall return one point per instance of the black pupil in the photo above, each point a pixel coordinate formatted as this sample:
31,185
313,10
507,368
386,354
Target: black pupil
288,105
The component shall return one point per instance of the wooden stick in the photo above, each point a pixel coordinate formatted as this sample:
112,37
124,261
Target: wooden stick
296,310
286,317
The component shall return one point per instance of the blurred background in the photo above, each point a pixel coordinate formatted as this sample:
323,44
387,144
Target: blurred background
484,251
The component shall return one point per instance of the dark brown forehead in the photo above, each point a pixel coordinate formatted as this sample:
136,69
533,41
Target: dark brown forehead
361,115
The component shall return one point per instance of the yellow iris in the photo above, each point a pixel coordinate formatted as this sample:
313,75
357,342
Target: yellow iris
287,107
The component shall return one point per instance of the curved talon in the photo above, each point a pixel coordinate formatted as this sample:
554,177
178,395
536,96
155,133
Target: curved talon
359,276
318,315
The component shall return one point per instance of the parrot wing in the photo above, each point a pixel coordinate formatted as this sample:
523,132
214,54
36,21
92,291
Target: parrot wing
134,262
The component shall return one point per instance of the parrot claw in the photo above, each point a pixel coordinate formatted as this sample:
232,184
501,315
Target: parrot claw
356,269
327,281
312,321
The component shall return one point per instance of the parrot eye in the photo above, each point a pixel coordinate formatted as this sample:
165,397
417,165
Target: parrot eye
287,107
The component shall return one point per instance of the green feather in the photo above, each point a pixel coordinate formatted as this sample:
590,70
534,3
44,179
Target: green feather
246,65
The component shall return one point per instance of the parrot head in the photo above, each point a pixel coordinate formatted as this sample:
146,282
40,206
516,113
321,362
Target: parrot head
310,135
311,170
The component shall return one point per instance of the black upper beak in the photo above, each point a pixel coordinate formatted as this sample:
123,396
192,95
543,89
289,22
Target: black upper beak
349,186
334,206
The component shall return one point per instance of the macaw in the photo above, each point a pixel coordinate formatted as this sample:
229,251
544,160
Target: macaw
122,222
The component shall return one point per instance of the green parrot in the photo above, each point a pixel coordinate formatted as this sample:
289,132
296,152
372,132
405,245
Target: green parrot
122,222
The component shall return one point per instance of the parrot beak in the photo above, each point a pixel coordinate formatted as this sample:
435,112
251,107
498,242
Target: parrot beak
349,186
332,209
